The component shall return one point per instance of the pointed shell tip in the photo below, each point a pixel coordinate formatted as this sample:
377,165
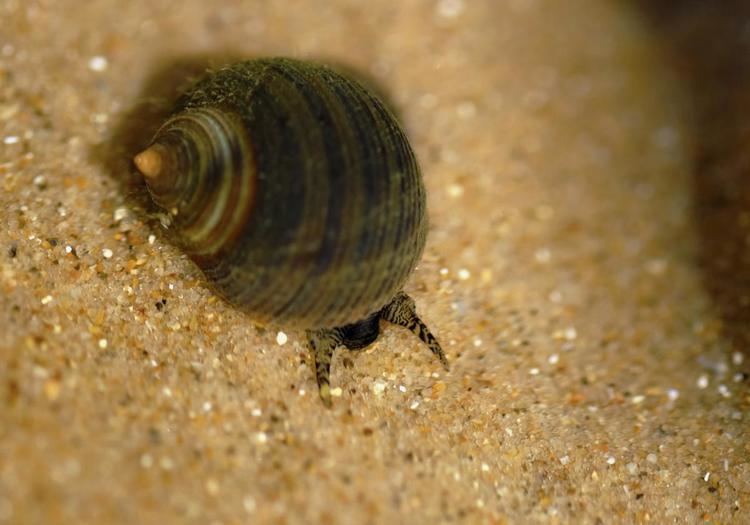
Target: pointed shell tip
149,162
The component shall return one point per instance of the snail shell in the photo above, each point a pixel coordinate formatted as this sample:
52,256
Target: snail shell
296,192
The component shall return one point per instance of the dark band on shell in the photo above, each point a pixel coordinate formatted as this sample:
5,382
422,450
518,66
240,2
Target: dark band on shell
296,192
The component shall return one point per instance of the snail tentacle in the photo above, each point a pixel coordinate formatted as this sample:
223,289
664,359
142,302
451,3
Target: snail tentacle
402,311
322,344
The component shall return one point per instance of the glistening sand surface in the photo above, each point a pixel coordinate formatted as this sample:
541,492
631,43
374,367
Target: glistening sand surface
586,271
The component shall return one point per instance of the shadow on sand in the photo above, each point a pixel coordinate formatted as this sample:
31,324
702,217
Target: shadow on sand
135,127
708,45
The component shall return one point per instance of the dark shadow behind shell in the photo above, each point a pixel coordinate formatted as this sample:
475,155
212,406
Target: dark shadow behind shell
707,45
134,128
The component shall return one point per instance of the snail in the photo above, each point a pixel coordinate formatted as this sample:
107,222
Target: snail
296,192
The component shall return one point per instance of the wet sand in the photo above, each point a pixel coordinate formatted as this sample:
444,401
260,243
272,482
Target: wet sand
586,271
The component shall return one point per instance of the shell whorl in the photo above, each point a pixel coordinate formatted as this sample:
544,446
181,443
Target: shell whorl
205,178
293,188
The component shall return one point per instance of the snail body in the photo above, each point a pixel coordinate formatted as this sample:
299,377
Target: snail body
296,192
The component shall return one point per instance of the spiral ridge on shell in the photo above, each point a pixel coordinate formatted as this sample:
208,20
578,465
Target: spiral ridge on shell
209,207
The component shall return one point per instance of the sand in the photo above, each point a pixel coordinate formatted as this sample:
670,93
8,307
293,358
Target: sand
586,271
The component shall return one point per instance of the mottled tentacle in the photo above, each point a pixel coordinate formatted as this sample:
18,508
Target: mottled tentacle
322,344
402,311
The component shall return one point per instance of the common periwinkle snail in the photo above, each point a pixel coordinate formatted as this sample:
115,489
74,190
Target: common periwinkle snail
295,191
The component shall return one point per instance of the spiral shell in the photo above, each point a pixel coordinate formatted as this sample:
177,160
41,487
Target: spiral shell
295,191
